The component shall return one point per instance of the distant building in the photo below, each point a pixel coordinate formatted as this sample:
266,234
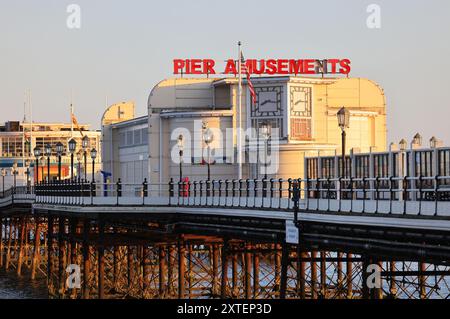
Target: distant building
125,144
302,109
18,140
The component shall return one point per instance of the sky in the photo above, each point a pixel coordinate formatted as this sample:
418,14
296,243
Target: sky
123,48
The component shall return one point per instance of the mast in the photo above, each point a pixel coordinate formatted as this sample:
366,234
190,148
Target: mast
239,137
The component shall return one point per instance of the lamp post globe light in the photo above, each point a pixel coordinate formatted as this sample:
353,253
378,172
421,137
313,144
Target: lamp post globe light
37,153
343,117
4,172
48,153
72,148
93,157
85,145
59,152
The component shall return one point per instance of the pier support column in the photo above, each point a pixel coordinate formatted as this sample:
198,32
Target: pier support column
8,246
277,267
73,250
22,234
301,273
181,269
234,274
130,266
224,281
37,248
61,263
50,254
422,280
1,241
86,259
248,271
349,276
162,271
170,265
313,275
215,271
101,259
339,272
255,274
323,274
284,268
116,267
145,269
392,287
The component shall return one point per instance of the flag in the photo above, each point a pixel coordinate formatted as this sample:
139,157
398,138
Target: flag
245,71
75,122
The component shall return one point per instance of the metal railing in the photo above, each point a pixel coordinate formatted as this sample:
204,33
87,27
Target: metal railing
390,195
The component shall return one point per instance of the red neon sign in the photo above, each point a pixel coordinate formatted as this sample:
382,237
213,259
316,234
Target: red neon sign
265,66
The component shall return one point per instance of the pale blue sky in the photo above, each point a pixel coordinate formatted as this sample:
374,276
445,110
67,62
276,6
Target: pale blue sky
125,47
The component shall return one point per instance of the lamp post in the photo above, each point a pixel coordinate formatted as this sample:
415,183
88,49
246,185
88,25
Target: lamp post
14,172
417,140
72,147
59,152
85,146
403,144
208,137
79,155
180,142
266,131
27,173
48,153
4,172
37,154
343,116
93,157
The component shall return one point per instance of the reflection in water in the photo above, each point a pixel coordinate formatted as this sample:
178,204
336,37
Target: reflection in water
13,287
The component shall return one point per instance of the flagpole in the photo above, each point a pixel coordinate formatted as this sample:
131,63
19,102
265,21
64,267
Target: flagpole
31,123
71,113
239,137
